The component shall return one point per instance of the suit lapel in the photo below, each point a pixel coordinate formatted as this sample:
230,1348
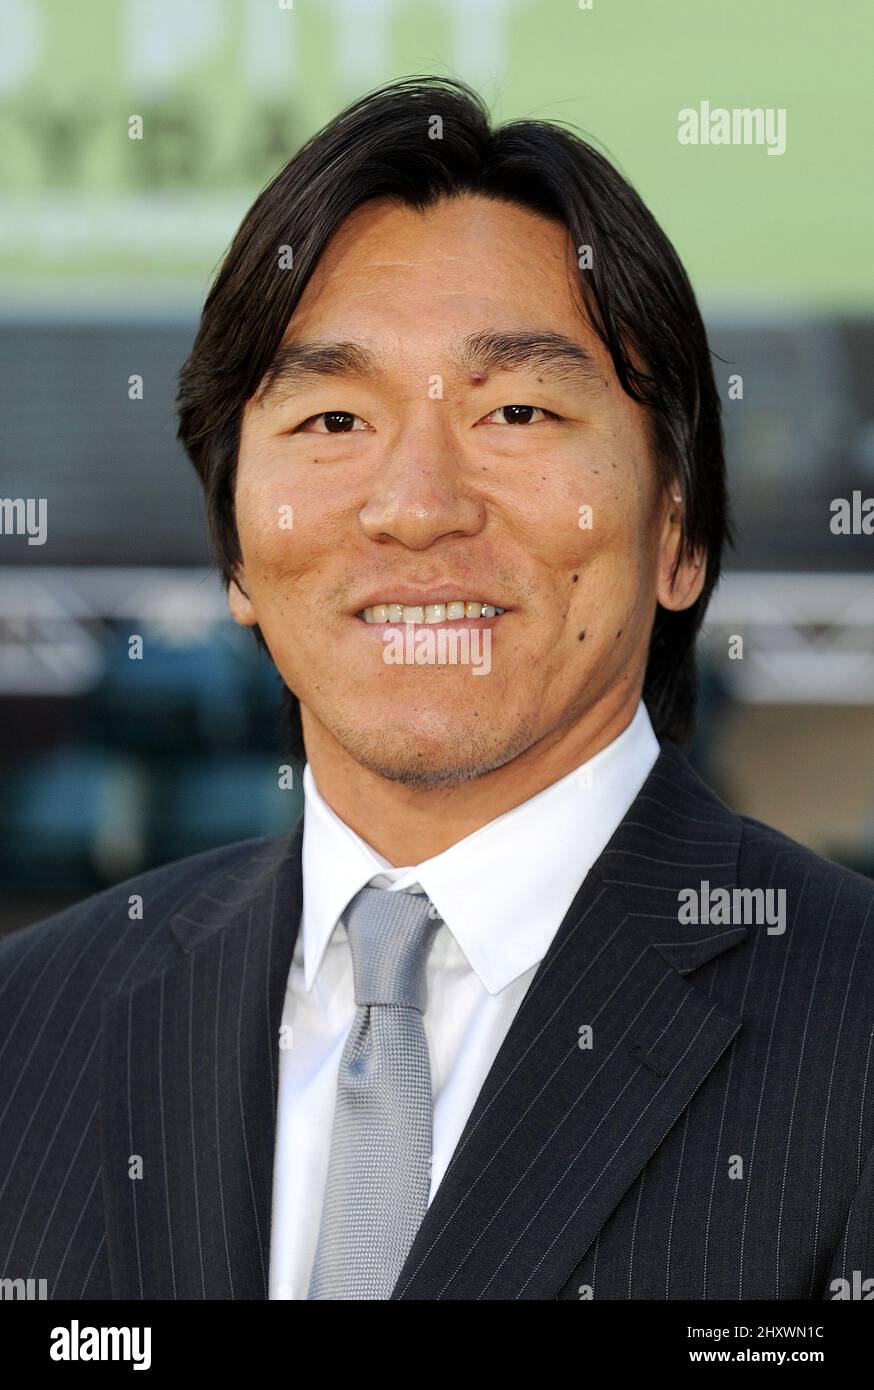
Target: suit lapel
560,1131
189,1083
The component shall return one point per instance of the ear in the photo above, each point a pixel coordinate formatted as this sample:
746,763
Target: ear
240,605
679,582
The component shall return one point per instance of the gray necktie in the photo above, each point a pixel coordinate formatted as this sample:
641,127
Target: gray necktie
379,1172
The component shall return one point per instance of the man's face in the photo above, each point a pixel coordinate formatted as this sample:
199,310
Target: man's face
413,482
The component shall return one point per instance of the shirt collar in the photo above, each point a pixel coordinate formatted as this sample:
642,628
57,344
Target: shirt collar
503,921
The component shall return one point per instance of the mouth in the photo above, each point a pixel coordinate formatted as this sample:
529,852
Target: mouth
459,610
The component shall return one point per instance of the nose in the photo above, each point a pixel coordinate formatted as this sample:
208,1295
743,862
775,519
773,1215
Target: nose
421,493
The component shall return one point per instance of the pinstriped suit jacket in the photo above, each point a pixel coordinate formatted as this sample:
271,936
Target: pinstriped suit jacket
715,1141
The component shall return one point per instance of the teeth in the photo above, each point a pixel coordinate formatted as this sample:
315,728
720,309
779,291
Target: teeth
431,612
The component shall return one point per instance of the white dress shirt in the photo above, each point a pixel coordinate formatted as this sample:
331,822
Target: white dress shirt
502,893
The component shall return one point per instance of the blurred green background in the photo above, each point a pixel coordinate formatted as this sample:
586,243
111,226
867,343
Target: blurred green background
227,88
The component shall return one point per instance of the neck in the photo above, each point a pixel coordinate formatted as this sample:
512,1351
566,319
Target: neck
407,824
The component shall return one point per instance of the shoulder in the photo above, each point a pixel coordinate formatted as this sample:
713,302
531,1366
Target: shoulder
818,899
820,922
769,858
119,935
766,857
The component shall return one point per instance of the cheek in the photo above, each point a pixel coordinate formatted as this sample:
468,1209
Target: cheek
615,559
285,527
587,501
625,525
258,495
604,543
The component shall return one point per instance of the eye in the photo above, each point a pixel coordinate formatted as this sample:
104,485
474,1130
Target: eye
335,422
518,415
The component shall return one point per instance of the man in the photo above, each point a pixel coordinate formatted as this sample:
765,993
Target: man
521,1010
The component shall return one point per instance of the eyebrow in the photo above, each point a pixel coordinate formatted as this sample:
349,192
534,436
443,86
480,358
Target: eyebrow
553,355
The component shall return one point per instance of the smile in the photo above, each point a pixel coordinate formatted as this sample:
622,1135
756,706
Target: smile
455,611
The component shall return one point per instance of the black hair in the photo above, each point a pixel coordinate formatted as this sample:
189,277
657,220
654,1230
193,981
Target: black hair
417,140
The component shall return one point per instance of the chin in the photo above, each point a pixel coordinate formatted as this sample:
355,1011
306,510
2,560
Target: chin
454,753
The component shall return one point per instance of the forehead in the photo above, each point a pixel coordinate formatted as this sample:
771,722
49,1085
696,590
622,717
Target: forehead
461,263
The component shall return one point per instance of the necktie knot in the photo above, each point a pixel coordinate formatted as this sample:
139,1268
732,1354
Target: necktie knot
390,935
